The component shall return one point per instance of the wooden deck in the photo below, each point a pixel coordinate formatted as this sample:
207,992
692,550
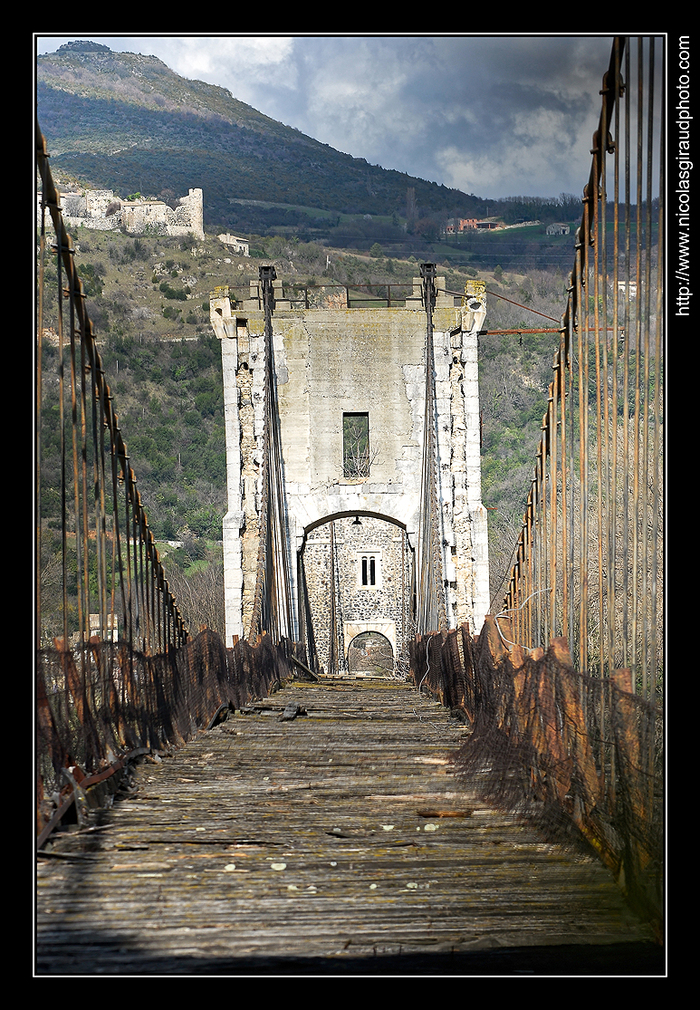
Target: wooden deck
340,842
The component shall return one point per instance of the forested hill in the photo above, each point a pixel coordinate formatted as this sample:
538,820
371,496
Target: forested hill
128,123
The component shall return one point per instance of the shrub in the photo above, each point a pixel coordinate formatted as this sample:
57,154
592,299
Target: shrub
179,294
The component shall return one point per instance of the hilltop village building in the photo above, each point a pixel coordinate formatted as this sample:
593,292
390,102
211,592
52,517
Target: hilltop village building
351,395
457,225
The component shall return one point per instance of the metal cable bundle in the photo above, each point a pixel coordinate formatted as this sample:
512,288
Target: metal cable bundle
272,608
431,592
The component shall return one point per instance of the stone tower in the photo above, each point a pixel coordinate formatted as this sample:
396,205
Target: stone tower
351,398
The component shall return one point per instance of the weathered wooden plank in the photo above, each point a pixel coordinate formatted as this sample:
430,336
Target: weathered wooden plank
339,835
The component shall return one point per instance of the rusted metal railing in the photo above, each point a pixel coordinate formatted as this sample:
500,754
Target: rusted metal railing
92,531
589,559
329,295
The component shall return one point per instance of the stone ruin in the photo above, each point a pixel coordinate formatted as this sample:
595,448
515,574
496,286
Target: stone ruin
102,210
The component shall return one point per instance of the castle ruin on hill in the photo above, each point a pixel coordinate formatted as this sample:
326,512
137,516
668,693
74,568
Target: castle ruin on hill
102,210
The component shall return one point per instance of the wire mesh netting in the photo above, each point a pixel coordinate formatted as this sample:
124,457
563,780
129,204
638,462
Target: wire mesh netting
581,756
101,702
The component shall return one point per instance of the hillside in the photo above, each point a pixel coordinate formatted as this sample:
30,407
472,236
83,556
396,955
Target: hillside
127,122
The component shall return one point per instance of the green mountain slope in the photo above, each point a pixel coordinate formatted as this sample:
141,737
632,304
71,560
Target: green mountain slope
163,366
127,122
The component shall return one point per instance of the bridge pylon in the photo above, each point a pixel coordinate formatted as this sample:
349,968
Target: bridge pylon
349,397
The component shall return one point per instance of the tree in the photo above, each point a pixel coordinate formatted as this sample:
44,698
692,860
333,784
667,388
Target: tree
200,596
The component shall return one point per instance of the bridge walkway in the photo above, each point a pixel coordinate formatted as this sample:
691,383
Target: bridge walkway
341,841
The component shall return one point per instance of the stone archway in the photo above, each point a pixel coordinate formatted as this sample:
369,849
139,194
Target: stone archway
370,654
356,574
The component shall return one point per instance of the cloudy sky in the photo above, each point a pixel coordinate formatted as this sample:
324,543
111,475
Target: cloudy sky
492,115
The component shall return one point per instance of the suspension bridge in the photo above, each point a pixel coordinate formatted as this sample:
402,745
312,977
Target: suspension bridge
247,804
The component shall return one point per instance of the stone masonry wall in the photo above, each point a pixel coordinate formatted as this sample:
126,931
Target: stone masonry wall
383,607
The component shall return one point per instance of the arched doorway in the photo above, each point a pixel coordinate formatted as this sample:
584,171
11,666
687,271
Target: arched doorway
355,577
371,654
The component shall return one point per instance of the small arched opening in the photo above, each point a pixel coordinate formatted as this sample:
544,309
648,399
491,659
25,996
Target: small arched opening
370,654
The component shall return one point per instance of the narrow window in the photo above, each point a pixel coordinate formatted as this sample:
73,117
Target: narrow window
370,569
356,445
